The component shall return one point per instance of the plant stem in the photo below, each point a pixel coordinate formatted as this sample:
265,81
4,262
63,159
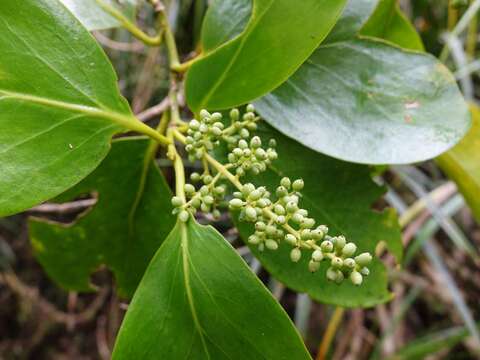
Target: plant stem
130,26
330,333
452,16
472,36
183,67
177,165
168,34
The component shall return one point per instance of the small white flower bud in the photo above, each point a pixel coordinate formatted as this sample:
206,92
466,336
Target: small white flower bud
291,239
337,262
177,201
250,213
298,185
234,114
295,254
189,188
349,262
184,215
363,259
356,278
271,244
317,256
286,183
331,274
236,203
255,142
253,239
339,242
365,271
313,266
349,249
250,108
326,246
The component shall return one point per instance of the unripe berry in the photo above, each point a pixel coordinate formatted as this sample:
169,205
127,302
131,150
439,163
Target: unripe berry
204,190
307,223
250,108
349,249
363,259
286,183
255,195
291,239
234,114
279,209
317,255
297,218
298,185
356,278
195,177
242,144
177,201
271,244
281,191
272,143
313,266
260,154
208,199
295,254
184,216
216,214
291,207
236,203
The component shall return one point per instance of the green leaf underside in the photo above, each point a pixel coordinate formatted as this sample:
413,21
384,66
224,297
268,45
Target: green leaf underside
124,229
93,17
389,23
59,103
199,300
339,195
354,16
254,62
368,102
462,164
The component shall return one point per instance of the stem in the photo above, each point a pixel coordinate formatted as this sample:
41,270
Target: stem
130,26
472,36
177,165
330,333
183,67
452,16
169,37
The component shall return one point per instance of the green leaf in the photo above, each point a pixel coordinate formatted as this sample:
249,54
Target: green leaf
462,164
389,23
254,62
93,17
224,20
199,300
124,229
367,102
59,103
339,195
354,16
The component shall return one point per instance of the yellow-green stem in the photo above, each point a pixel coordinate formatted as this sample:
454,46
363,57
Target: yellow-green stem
130,26
472,37
330,333
177,165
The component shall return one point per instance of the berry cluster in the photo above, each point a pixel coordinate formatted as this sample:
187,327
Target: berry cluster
278,218
284,220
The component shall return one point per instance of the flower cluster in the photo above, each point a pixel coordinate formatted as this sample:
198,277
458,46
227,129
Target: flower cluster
283,220
278,218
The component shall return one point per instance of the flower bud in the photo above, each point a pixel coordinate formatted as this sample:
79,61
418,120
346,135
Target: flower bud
317,255
216,116
255,142
313,266
349,263
260,154
295,254
337,262
280,220
281,191
189,188
326,246
177,201
291,207
339,242
286,183
253,239
331,274
356,278
184,216
272,143
242,144
307,223
236,203
279,209
195,177
291,239
271,230
250,213
349,249
208,199
297,218
250,108
298,185
363,259
271,244
365,271
260,226
204,113
234,114
194,124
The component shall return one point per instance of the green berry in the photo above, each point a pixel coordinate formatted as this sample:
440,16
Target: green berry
234,114
208,199
272,143
242,144
177,201
313,266
271,230
295,254
279,209
349,249
184,215
317,255
260,226
271,244
216,214
255,195
297,218
307,223
298,185
195,177
281,191
253,239
363,259
250,108
356,278
291,207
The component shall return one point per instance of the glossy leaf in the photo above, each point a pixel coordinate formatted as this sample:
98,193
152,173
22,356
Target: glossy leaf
224,20
254,62
93,17
124,229
339,195
388,22
59,103
462,164
199,300
354,16
367,102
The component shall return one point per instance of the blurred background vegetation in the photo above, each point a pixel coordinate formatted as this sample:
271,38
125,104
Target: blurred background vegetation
435,311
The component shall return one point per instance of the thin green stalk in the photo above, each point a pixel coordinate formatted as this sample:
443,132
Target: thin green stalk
130,26
177,165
